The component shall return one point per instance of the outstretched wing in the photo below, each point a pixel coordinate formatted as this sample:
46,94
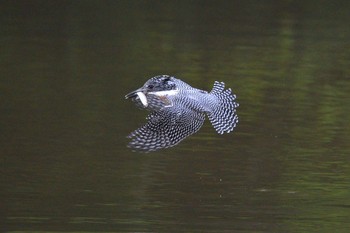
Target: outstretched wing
166,128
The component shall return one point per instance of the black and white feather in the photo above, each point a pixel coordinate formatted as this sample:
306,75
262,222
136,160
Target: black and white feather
178,110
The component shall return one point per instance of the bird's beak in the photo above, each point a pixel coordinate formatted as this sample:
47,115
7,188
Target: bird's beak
140,93
134,93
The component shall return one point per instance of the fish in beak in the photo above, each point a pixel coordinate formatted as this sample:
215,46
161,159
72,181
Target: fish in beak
139,93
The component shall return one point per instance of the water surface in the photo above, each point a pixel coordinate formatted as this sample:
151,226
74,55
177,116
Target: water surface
66,66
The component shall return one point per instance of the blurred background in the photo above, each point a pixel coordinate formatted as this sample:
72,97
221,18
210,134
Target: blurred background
67,65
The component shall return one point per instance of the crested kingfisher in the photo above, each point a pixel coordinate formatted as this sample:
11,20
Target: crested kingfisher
178,110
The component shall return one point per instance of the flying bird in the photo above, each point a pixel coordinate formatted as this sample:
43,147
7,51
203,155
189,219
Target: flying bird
178,110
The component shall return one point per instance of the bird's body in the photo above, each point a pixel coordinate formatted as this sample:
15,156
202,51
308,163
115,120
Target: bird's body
178,110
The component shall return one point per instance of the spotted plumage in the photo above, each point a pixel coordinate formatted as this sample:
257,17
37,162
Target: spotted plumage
178,110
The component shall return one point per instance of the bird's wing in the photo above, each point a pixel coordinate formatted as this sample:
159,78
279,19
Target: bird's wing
166,128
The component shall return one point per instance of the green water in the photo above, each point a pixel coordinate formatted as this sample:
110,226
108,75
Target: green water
66,66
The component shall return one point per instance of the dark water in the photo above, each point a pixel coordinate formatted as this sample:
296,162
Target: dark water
66,66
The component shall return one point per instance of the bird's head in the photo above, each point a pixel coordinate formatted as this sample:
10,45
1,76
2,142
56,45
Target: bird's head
158,85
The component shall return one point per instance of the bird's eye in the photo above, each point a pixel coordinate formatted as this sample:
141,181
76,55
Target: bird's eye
150,86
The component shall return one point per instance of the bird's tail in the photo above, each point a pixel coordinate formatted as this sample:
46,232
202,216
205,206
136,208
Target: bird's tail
223,116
